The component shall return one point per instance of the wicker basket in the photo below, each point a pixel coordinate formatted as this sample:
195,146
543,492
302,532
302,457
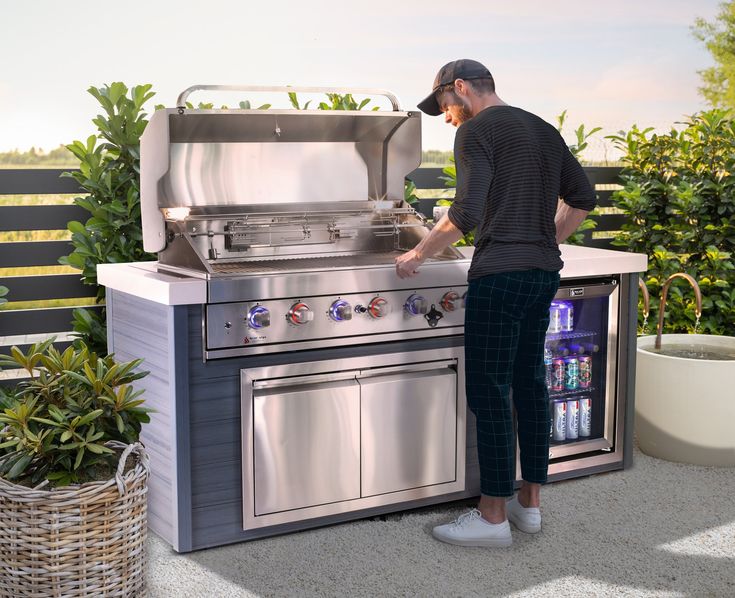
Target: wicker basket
86,540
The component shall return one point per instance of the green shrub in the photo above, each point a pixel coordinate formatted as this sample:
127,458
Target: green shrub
56,422
109,171
679,193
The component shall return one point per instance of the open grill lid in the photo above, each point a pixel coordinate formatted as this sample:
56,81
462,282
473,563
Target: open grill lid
221,186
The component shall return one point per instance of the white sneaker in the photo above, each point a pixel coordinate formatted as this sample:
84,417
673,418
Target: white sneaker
526,519
471,529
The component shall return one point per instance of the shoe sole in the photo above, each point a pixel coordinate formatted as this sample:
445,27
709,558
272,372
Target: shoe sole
525,528
490,543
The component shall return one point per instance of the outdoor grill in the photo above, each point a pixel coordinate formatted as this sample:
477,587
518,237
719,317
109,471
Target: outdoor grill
295,217
295,380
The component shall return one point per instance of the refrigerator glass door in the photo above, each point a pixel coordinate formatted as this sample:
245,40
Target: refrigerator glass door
580,350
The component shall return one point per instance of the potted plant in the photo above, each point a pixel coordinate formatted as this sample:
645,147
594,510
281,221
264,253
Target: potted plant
73,476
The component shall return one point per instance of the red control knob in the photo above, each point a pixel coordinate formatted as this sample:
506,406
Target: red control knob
300,314
450,301
378,307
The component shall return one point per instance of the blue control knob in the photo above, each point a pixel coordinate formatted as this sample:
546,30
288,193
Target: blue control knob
259,317
415,305
340,311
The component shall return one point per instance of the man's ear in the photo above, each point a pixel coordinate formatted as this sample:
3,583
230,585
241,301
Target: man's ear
460,86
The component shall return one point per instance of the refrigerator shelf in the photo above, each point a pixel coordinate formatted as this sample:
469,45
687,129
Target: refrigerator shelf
559,336
572,394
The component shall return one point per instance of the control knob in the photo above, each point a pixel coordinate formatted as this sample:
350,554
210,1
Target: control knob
259,317
340,311
450,301
415,305
300,314
378,307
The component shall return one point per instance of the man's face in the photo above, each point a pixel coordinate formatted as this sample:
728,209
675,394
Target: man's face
455,108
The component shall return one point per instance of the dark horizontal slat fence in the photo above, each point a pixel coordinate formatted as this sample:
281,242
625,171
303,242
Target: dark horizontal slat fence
22,254
40,181
45,322
14,218
53,320
55,217
428,178
49,286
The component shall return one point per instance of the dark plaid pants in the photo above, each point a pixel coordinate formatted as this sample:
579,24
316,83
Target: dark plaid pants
506,318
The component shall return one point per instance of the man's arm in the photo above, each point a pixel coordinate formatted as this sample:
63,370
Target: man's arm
567,220
443,234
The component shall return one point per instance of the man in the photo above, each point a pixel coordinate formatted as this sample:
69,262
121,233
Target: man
512,168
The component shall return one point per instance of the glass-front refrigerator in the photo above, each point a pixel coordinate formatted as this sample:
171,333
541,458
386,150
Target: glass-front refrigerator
579,356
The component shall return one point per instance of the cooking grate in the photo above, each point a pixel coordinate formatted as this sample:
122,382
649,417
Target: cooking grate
306,264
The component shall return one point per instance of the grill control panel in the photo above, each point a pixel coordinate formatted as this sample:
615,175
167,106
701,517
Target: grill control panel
385,315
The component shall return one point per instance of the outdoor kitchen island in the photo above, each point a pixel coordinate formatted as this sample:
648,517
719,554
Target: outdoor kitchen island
257,442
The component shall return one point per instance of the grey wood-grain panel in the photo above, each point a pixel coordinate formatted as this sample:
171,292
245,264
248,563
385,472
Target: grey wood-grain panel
140,329
212,483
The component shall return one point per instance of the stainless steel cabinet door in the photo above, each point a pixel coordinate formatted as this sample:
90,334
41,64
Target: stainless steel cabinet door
409,430
306,445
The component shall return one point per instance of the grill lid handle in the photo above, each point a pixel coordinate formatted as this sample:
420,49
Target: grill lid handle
181,101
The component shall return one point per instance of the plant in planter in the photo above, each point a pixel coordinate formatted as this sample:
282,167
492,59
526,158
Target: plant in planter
68,430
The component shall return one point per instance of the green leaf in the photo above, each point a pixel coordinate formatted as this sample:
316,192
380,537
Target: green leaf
19,467
80,456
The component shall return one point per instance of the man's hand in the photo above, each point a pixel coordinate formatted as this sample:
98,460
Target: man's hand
408,263
444,233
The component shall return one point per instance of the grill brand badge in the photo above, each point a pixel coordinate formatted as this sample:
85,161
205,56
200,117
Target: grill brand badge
576,292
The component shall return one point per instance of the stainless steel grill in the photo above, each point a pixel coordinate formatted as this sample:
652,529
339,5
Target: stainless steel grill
285,208
294,219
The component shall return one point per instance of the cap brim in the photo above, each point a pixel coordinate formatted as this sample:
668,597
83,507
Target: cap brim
430,106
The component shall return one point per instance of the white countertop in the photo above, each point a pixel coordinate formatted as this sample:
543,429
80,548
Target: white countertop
142,280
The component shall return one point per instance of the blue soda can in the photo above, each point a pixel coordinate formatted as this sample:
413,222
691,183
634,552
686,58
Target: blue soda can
571,373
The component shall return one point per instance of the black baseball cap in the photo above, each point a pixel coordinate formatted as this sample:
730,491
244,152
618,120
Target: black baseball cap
463,68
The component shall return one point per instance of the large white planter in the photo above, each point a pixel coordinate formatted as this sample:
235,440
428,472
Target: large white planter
685,408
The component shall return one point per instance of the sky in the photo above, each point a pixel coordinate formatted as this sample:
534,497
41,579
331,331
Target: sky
609,64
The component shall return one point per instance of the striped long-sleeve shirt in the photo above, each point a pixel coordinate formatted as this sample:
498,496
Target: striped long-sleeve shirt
512,168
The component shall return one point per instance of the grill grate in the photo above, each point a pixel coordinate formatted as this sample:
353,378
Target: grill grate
305,264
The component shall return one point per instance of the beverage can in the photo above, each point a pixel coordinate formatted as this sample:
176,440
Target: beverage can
585,416
572,427
566,316
557,378
571,373
559,421
554,318
585,371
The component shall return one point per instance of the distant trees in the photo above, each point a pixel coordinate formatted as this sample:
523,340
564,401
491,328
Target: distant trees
37,157
436,157
719,38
